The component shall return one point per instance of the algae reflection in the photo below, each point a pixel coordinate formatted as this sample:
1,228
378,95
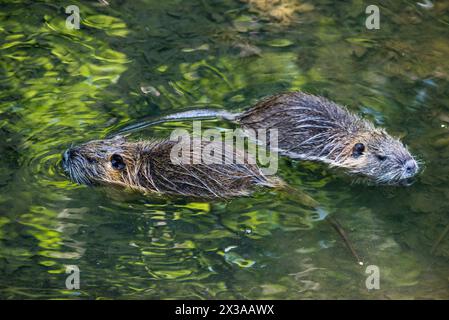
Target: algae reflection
139,59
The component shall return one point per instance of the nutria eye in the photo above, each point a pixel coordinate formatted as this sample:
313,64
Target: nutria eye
117,162
381,157
358,149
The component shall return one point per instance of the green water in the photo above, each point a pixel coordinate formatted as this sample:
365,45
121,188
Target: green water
136,59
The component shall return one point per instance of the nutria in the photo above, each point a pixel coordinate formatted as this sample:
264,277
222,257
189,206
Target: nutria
314,128
147,166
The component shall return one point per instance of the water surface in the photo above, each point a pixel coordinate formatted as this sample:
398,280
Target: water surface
142,58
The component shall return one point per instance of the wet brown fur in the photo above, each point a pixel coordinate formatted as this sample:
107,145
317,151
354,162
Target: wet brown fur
314,128
310,128
150,169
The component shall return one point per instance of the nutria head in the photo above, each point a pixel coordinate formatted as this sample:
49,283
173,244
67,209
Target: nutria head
373,154
314,128
101,162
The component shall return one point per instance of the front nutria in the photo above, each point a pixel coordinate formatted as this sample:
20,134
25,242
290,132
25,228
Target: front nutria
147,166
314,128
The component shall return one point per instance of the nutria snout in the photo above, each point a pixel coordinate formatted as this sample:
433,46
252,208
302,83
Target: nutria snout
147,166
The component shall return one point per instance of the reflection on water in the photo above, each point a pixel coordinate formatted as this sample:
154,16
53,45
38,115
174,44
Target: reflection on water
138,59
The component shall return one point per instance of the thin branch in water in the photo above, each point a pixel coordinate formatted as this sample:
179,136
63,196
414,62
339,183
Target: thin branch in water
336,225
440,238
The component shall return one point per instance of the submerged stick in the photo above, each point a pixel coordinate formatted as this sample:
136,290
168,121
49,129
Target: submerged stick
304,199
297,195
345,238
440,238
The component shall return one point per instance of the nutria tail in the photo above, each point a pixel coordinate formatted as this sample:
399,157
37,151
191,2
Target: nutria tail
197,114
314,128
153,167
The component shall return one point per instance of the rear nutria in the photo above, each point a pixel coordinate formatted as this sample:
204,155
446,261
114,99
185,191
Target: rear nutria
147,166
314,128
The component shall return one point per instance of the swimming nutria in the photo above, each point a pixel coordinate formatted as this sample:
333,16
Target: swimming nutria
147,166
314,128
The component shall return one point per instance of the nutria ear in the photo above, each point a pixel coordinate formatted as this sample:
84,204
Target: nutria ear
118,138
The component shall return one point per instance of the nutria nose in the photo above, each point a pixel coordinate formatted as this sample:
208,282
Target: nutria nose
67,155
410,167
